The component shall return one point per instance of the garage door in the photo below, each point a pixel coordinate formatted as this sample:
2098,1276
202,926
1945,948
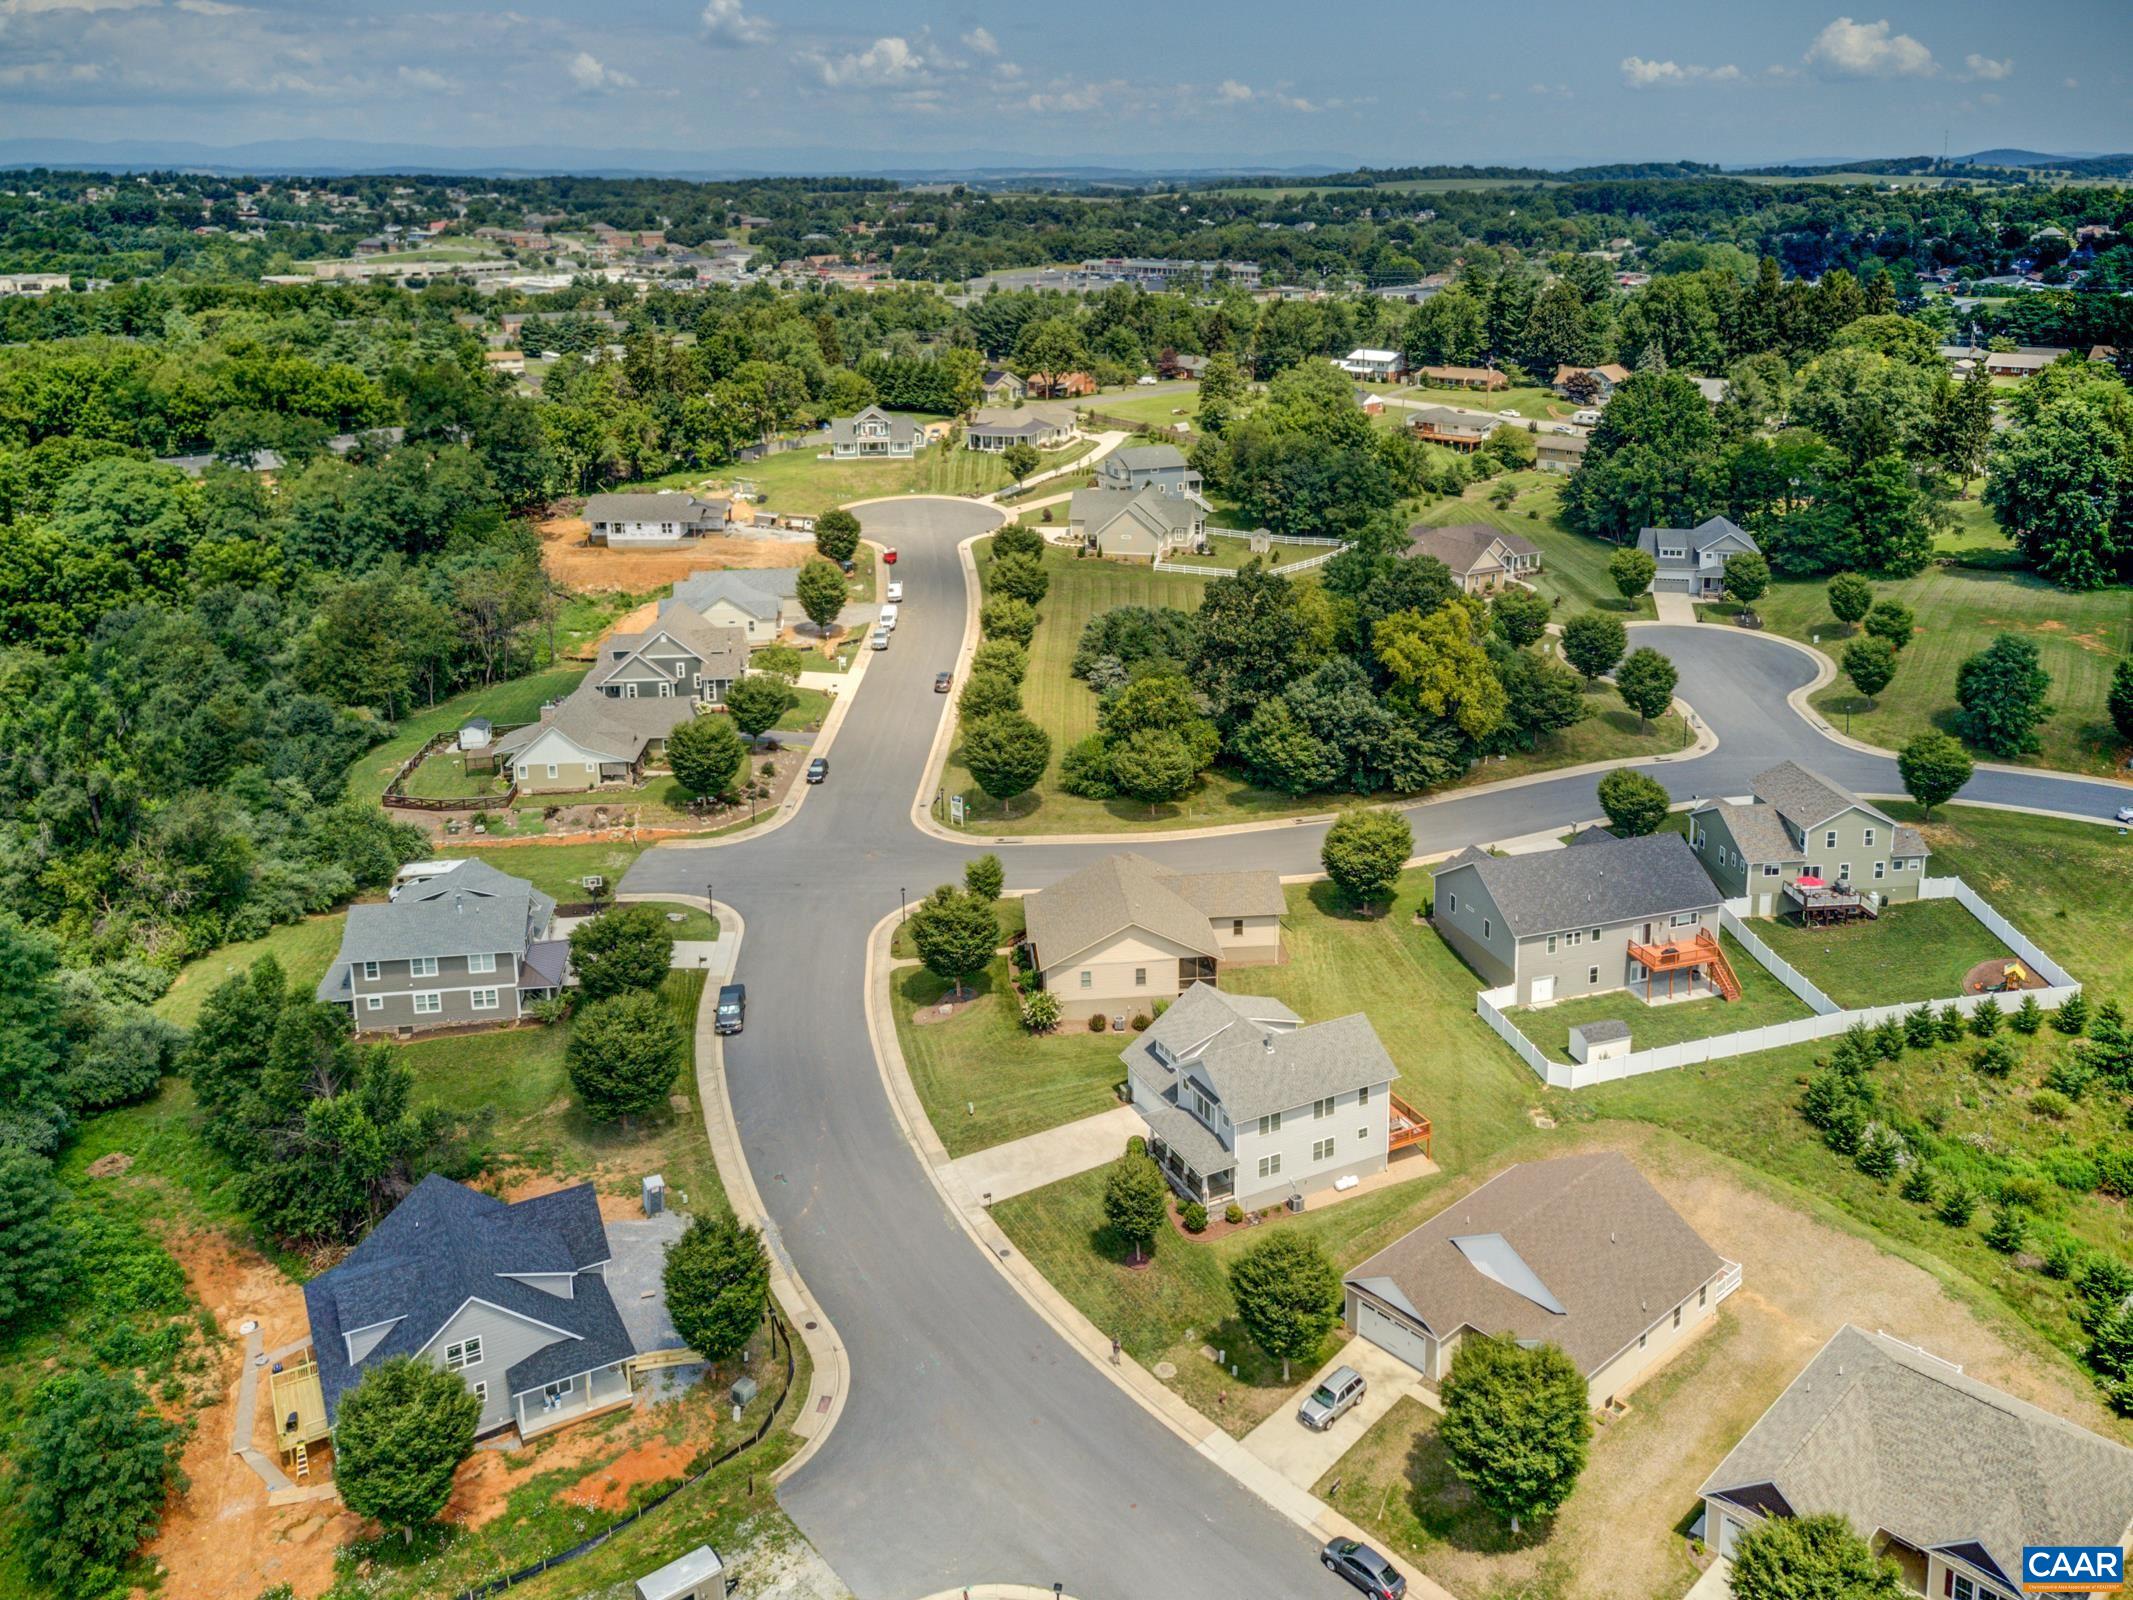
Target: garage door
1680,583
1393,1336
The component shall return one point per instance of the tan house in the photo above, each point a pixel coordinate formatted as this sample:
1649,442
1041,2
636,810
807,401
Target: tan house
1483,378
1946,1476
1560,452
1124,931
1482,559
1147,523
763,602
1579,1252
1605,378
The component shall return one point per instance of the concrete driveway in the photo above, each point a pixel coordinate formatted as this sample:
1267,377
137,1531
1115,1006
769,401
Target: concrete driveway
633,1277
1304,1456
1021,1165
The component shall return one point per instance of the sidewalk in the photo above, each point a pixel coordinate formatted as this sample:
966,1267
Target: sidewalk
1021,1165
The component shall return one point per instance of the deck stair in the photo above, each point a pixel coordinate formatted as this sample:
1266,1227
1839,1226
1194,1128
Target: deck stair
1686,955
302,1462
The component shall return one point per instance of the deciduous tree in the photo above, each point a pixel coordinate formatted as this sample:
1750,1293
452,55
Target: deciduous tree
37,1251
398,1438
1631,571
1517,1424
756,700
1646,680
629,947
1006,753
1636,804
1814,1557
837,534
1747,579
955,933
1136,1200
2001,690
1870,663
1364,851
624,1055
1934,769
706,756
1023,577
96,1463
1288,1295
819,587
1593,642
1520,615
1850,598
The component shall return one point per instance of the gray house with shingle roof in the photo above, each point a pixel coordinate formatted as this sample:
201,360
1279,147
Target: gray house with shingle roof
761,601
465,944
1799,825
1558,924
1947,1476
1148,522
512,1297
1245,1103
1482,559
663,518
1579,1252
1125,932
1148,466
875,432
1692,561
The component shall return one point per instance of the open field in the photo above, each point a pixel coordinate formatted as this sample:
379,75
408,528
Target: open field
1960,609
801,483
1915,950
1763,1000
1531,401
1159,412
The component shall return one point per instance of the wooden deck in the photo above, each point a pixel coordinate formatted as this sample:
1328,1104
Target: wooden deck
1701,953
1409,1127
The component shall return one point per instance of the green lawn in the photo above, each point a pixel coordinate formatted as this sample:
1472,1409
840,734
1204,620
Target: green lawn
554,869
695,923
1763,1000
1158,412
1530,401
304,949
1960,609
505,704
1916,950
800,483
1573,568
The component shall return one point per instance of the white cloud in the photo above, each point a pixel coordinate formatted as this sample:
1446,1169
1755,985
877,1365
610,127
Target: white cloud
887,62
979,41
430,81
589,73
210,8
2073,83
1231,90
1987,68
30,8
728,22
1849,49
1639,73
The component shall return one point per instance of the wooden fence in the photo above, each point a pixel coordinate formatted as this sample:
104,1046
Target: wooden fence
395,800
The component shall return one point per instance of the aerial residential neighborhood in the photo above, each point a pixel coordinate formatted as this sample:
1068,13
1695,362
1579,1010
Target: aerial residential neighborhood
836,806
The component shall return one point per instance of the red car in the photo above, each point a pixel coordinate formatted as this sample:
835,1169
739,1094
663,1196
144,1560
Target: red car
888,557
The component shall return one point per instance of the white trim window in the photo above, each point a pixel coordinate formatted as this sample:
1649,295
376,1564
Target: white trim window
483,962
373,1002
1880,869
428,1003
554,1394
1592,974
1772,870
1270,1166
1269,1124
1870,838
1684,919
370,970
422,967
480,1386
1321,1150
1829,839
1087,981
1321,1109
482,999
463,1354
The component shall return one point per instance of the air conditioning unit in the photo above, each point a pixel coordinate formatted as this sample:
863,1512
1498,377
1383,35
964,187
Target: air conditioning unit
1296,1202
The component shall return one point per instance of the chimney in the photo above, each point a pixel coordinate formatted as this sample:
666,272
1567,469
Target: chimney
548,710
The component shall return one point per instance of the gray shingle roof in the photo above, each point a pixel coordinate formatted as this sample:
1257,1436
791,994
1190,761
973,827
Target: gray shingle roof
1605,1031
612,728
1756,830
446,1243
755,590
1462,545
1614,1254
1163,515
1552,890
1130,891
1148,457
673,507
1803,798
902,430
1249,1050
722,652
1895,1439
471,910
1708,532
1019,422
1594,834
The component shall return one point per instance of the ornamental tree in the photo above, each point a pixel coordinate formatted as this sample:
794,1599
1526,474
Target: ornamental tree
706,755
1364,851
756,700
630,947
1891,620
955,933
1517,1424
1747,579
1135,1200
836,534
1815,1557
1006,753
820,589
398,1438
1636,804
2001,690
717,1282
1023,577
984,877
1870,663
1934,768
1632,571
1520,615
1850,597
1593,642
1288,1295
1646,680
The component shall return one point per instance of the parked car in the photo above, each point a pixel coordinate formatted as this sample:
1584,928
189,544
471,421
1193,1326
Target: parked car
732,1008
1146,380
1363,1567
888,556
943,682
880,641
1513,415
887,620
818,769
896,590
1332,1399
2125,813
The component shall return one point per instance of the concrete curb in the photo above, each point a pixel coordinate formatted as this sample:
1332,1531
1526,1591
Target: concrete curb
1301,1507
831,1384
999,1591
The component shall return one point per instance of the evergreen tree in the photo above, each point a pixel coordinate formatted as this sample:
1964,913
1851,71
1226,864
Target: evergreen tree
717,1283
624,1055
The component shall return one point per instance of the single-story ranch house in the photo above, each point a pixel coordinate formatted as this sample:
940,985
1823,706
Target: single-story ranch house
1126,931
994,428
875,432
464,943
760,601
1639,914
1455,430
661,518
590,741
1002,388
512,1297
1579,1252
1806,847
1946,1476
1482,559
1605,378
1147,523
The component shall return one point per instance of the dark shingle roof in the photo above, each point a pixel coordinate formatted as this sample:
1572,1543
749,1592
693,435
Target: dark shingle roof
445,1244
1250,1051
1867,1428
471,910
1600,1240
1552,890
1707,532
1130,891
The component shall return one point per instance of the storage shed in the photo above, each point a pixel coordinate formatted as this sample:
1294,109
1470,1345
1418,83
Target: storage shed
1599,1041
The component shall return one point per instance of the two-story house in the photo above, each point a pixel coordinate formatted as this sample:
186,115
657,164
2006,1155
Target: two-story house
681,656
1948,1477
1245,1103
1124,931
1805,847
875,432
762,602
1374,366
1002,387
1692,561
513,1298
1148,466
463,943
1635,914
1481,559
665,518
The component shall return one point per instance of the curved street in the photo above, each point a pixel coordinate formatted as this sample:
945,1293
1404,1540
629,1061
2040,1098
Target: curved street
974,1444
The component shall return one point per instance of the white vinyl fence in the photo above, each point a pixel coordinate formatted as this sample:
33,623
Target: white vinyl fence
1826,1024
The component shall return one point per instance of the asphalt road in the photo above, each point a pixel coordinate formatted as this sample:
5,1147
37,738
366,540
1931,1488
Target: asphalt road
974,1445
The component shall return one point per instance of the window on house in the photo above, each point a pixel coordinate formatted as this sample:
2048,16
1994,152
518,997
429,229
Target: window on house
1085,980
1844,872
1362,1135
370,969
374,1002
482,999
1270,1124
1677,1316
1551,944
1829,839
551,769
481,1390
1592,974
1772,870
1236,927
1362,1095
1682,919
1451,902
1140,977
1269,1166
1322,1108
1574,939
1881,869
1485,927
1321,1150
484,962
423,967
558,1391
466,1353
1596,936
1641,1338
428,1003
1869,841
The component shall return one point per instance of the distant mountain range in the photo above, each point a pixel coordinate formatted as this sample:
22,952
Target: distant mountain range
336,157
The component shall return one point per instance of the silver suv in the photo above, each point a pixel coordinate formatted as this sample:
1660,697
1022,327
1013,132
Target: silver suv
1324,1406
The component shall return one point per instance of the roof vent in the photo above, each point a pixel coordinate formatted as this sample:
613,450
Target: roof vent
459,902
1267,1039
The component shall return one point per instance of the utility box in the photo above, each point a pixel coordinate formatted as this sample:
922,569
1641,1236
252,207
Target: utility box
1599,1041
655,1195
695,1576
744,1390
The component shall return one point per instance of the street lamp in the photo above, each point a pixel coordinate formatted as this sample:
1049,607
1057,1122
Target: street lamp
903,905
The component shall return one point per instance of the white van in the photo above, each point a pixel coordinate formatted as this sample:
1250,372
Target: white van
887,623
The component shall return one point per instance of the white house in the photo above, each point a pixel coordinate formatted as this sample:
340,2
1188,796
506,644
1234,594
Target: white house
664,518
1374,366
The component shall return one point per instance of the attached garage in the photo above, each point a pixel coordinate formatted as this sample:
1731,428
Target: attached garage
1674,583
1390,1330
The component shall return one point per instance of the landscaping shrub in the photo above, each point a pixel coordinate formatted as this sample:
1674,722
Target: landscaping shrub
2073,1015
1194,1217
2051,1103
1880,1152
2069,1169
2028,1016
2062,1258
1952,1026
1139,1023
1099,1022
2114,1172
1889,1040
1996,1059
1957,1204
1136,1145
1234,1214
2069,1075
1985,1020
2103,1283
1040,1012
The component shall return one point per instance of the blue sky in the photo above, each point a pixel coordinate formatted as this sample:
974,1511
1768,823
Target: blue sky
1103,80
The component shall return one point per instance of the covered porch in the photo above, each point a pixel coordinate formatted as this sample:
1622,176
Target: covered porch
1193,1161
571,1399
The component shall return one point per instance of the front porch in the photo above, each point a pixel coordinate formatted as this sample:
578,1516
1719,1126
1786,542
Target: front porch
1211,1188
572,1399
